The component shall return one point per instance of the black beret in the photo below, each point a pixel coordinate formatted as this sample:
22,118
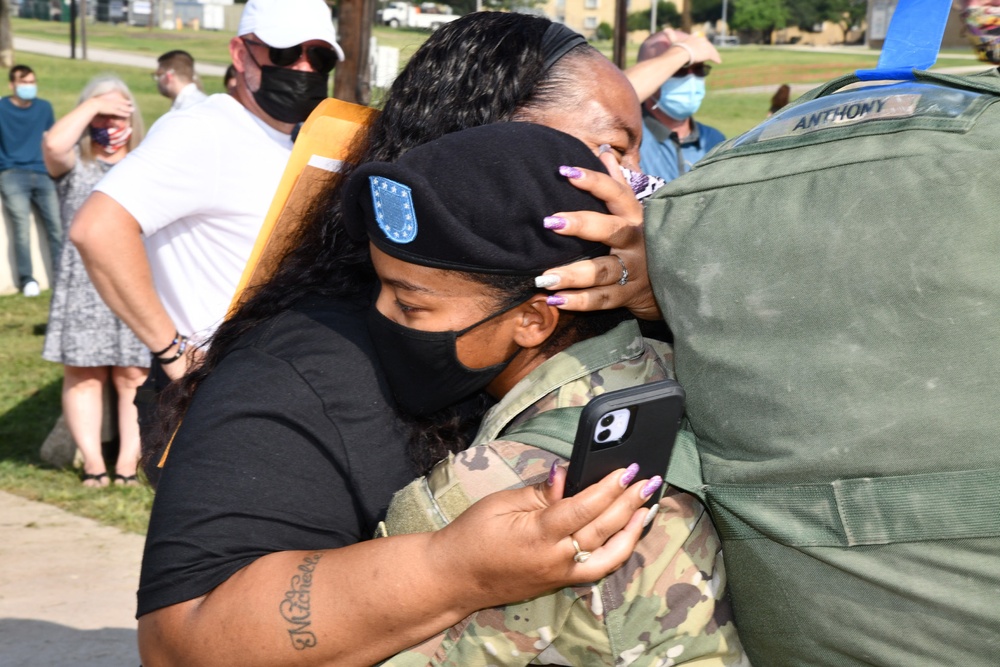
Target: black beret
475,201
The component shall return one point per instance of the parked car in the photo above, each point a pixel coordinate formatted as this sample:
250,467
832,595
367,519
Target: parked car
427,16
726,40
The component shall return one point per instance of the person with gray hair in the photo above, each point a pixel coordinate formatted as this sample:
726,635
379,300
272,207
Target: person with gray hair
176,79
670,80
83,334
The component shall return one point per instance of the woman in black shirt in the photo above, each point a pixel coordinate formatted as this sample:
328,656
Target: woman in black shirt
290,449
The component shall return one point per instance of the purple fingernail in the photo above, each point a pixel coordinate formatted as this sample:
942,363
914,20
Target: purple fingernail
630,473
552,473
554,222
603,148
570,172
651,486
555,300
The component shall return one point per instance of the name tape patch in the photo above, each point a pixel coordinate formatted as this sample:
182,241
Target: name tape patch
394,209
847,113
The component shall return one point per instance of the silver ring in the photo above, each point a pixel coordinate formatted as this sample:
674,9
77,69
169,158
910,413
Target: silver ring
624,279
581,555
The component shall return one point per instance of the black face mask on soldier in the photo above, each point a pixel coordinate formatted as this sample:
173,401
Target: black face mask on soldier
289,95
422,367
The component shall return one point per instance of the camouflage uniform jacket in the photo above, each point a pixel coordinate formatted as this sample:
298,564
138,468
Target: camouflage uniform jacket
667,605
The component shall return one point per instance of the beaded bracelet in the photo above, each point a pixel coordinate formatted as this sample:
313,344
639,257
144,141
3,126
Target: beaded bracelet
177,339
181,347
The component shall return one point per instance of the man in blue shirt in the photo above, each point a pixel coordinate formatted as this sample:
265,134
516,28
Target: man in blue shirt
672,140
23,179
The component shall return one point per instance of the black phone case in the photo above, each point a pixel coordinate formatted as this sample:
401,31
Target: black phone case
656,410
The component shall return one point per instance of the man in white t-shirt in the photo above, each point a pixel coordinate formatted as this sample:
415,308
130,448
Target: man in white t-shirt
166,234
176,80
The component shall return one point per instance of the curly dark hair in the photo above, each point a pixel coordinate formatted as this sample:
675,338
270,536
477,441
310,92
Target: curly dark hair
486,67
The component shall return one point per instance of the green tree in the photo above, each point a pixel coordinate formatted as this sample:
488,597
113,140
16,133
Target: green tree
807,14
666,14
704,11
604,31
462,6
846,13
760,16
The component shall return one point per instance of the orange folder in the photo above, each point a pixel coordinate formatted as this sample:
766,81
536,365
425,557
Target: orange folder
322,146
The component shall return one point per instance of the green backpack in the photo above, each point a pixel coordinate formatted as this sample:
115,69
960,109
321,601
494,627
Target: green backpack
832,279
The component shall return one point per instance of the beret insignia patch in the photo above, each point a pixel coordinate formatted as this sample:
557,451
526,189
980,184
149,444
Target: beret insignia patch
394,209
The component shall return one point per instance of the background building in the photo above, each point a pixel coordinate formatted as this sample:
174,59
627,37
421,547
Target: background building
586,16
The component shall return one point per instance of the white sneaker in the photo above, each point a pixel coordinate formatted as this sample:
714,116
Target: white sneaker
31,289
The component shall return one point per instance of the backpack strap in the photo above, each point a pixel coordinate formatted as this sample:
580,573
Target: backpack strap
684,471
553,430
846,512
985,83
861,511
435,500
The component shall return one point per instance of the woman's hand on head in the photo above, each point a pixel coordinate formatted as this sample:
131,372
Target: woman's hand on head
594,284
113,103
517,544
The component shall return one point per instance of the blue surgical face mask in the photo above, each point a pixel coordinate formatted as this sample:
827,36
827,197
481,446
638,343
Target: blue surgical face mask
26,91
680,97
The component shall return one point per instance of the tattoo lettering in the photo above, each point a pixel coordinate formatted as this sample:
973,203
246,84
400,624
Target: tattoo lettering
295,607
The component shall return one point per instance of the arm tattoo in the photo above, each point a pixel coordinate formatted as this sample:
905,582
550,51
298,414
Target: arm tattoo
295,607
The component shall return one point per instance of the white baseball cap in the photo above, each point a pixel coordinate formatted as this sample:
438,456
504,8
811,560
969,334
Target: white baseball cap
284,23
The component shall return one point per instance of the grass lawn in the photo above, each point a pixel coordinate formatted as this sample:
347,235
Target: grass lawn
734,114
208,46
29,407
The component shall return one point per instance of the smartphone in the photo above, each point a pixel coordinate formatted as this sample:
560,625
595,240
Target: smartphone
633,425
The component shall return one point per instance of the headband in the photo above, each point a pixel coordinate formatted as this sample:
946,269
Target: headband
557,41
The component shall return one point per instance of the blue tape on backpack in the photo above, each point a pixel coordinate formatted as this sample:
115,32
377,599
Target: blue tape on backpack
912,41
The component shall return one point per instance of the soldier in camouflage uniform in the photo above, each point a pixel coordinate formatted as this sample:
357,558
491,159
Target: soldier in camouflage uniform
668,604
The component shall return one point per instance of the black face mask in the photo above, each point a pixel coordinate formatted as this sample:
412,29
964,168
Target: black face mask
290,95
422,367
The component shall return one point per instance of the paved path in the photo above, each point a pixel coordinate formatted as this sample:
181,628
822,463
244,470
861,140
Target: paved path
67,584
59,50
67,589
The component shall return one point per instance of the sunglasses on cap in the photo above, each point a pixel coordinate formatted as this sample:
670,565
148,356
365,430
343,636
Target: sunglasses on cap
698,69
321,58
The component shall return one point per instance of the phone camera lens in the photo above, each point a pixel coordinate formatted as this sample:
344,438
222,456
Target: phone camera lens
603,435
607,420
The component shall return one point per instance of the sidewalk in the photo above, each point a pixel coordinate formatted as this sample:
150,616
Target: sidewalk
67,589
47,48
